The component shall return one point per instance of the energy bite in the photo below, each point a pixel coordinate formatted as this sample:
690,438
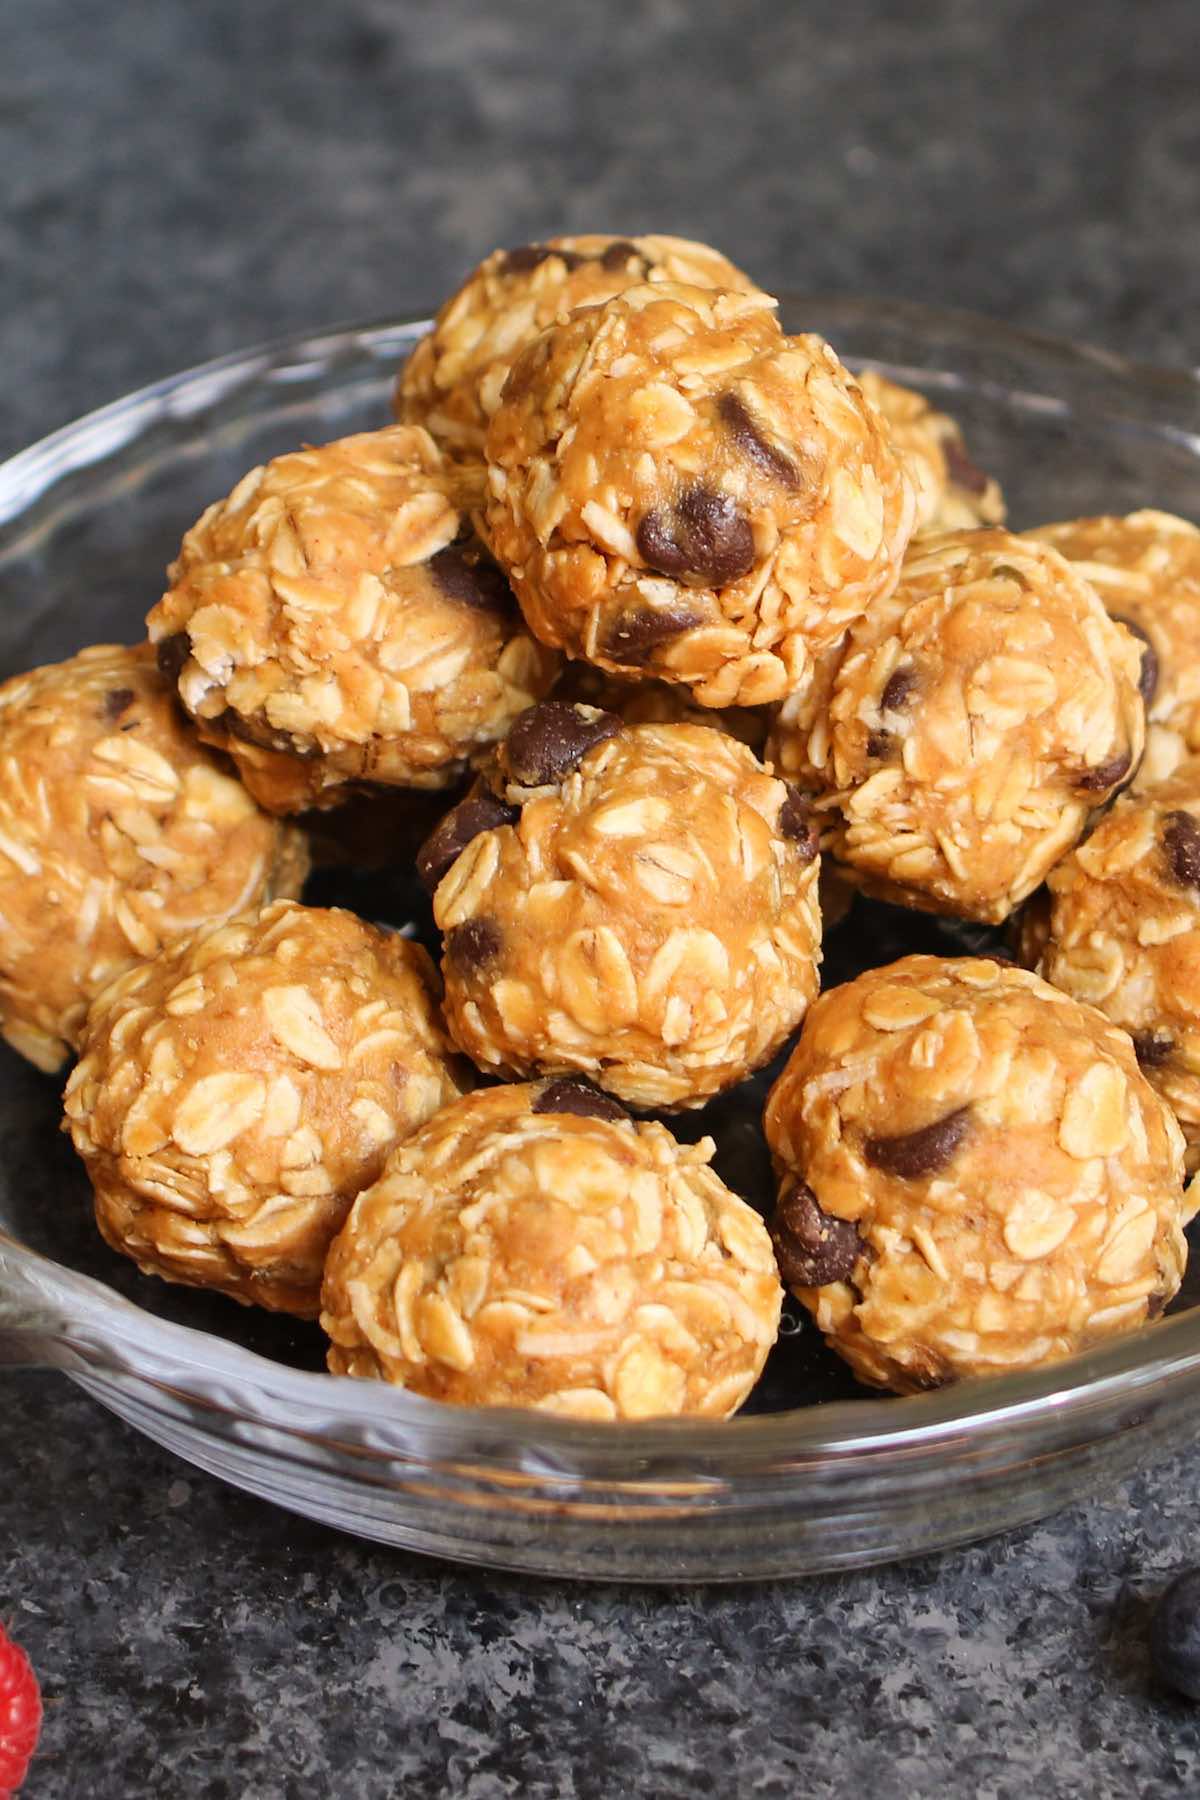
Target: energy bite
633,903
977,718
676,489
532,1246
952,494
451,384
1146,569
332,623
974,1176
119,833
235,1094
1121,930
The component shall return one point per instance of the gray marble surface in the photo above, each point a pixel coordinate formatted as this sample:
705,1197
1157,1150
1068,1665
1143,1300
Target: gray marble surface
181,179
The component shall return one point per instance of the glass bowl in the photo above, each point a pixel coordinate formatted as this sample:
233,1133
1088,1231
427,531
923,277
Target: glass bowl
88,519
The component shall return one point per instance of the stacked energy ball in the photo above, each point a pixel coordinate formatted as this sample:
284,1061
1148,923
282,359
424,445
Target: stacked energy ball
696,635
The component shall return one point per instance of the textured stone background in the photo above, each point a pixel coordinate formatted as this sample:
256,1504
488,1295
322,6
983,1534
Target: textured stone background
181,179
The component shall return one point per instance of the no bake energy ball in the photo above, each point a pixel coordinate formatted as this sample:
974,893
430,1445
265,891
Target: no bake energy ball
119,833
976,720
532,1246
452,382
1122,931
235,1094
638,904
676,489
1146,569
952,494
974,1176
331,622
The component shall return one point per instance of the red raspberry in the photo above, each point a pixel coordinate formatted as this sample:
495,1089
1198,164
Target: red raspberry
20,1714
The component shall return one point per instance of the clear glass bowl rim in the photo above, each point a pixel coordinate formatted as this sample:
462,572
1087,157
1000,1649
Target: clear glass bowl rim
53,1316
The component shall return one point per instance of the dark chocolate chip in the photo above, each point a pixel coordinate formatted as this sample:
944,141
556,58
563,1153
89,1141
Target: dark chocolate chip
580,1099
928,1381
1104,775
961,470
472,580
1148,679
479,811
879,744
796,822
812,1247
1152,1049
915,1154
898,688
621,252
638,634
524,257
473,944
117,701
705,538
1181,841
658,542
262,736
1155,1306
548,741
171,654
739,423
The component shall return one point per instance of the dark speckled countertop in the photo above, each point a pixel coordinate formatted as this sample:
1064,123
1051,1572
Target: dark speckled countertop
182,179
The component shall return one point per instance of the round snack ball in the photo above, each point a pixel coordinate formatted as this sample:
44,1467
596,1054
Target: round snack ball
677,489
235,1094
974,1176
644,913
952,494
1146,569
977,718
1122,932
118,833
532,1246
330,624
452,382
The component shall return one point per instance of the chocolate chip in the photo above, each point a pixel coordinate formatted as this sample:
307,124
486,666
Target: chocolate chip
548,741
1105,775
1151,1049
580,1099
812,1247
622,252
171,654
918,1153
474,944
796,822
637,634
705,539
479,811
262,736
472,580
898,688
1155,1306
879,744
961,470
117,701
524,257
1148,679
1181,841
739,423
